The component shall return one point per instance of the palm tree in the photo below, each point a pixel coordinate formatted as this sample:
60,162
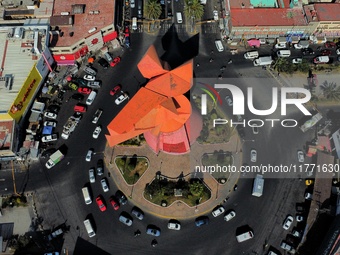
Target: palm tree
152,10
193,9
330,90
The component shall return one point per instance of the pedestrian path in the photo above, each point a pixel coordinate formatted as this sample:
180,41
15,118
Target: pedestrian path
174,166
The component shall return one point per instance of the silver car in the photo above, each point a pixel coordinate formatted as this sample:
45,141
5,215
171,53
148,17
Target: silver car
125,220
92,176
104,185
253,155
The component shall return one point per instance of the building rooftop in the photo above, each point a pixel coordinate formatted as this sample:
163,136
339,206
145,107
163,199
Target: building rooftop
267,17
16,61
327,12
83,18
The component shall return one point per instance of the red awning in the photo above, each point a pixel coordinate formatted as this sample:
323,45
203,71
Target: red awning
65,62
110,36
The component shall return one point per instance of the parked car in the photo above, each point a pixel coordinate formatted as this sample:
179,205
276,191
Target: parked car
100,204
215,14
297,60
89,155
104,185
103,62
89,77
79,108
50,123
253,155
330,45
123,218
114,203
132,4
229,100
299,218
92,177
100,167
77,116
230,215
326,52
115,90
288,222
218,211
153,231
48,152
301,156
49,138
287,247
96,116
298,46
308,196
84,90
337,51
280,46
53,108
96,132
121,197
77,96
108,57
137,213
202,220
81,81
50,115
174,225
94,84
307,51
121,98
115,61
321,60
72,86
296,233
52,253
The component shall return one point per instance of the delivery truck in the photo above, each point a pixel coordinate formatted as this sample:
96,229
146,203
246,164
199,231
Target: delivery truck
258,186
54,159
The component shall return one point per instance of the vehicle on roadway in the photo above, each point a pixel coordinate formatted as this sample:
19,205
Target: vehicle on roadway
202,220
297,60
104,185
50,123
229,100
245,236
153,231
89,155
137,213
121,197
92,177
300,156
321,60
49,138
218,211
100,167
89,77
114,203
258,186
115,90
288,222
100,204
96,116
174,225
123,218
50,115
285,246
121,98
253,155
84,90
86,195
115,61
230,215
96,132
52,253
89,228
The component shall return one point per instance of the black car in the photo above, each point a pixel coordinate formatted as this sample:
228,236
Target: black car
307,51
53,108
103,62
48,152
77,116
169,13
121,197
100,167
81,82
77,96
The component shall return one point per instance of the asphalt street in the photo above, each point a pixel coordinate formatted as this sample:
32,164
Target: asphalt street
58,191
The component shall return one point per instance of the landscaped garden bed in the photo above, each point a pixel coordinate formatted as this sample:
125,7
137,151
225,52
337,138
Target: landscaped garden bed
132,167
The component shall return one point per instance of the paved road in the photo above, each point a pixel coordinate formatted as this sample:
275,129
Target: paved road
59,195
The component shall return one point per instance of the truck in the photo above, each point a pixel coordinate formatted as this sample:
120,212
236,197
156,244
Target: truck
263,61
258,186
54,159
69,127
311,122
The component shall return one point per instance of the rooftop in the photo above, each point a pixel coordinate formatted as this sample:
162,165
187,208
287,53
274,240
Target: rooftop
267,17
83,17
12,50
327,12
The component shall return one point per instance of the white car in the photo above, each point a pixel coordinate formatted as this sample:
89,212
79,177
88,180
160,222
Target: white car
50,115
301,156
230,215
297,60
132,4
253,155
280,46
96,116
49,138
96,132
229,100
50,123
288,222
298,46
287,247
92,177
121,98
299,218
174,225
89,155
218,211
215,15
104,185
89,77
338,51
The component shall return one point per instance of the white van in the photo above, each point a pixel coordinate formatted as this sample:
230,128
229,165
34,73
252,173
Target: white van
134,23
89,228
87,196
179,17
283,53
251,54
245,236
219,45
91,97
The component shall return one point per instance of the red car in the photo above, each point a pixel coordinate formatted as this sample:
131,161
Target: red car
331,45
326,53
115,61
79,108
127,31
115,90
114,203
100,204
84,90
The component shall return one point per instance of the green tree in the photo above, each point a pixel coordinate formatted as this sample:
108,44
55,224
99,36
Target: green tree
196,188
304,66
152,9
330,90
193,9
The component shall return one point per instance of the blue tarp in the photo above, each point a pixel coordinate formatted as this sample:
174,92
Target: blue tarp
47,130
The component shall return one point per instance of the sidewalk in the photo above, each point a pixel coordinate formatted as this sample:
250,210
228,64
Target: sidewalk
173,166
